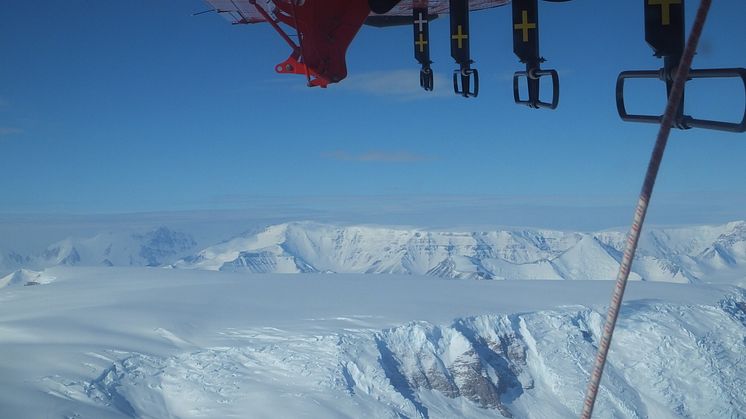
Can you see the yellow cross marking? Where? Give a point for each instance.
(460, 36)
(421, 42)
(525, 26)
(665, 9)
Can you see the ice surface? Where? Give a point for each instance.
(165, 343)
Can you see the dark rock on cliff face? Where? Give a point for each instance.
(162, 243)
(487, 368)
(63, 256)
(735, 306)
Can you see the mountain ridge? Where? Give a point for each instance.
(680, 254)
(156, 247)
(672, 255)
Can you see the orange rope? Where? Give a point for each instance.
(633, 237)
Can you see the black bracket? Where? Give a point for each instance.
(421, 20)
(664, 32)
(526, 47)
(463, 82)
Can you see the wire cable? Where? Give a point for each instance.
(633, 236)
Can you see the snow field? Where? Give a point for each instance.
(159, 343)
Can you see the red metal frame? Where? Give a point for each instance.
(325, 30)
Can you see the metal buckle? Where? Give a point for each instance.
(532, 79)
(466, 88)
(426, 78)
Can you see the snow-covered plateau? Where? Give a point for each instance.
(169, 343)
(147, 325)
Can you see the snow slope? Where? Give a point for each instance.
(672, 255)
(164, 343)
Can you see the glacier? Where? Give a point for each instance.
(141, 342)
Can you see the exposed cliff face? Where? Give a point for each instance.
(161, 245)
(485, 365)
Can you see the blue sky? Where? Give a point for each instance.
(113, 106)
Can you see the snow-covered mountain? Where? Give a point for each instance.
(207, 340)
(10, 260)
(25, 277)
(673, 255)
(153, 248)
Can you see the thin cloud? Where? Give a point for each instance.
(7, 131)
(377, 156)
(400, 84)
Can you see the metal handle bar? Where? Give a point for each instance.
(684, 121)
